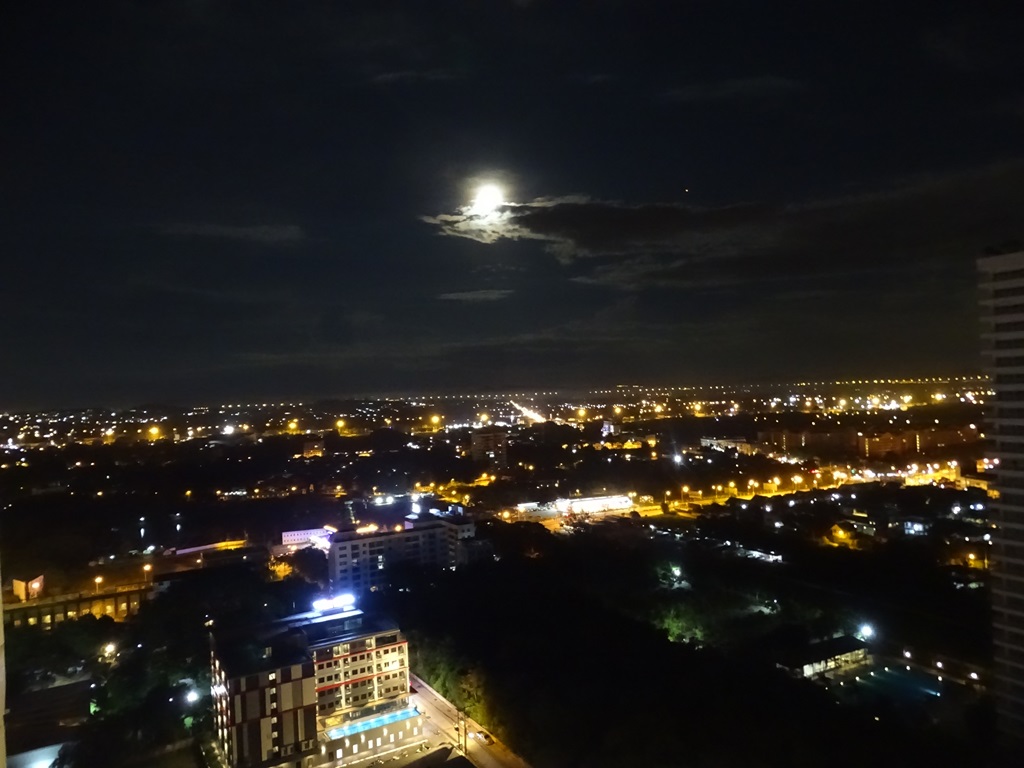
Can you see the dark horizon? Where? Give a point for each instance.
(483, 392)
(201, 202)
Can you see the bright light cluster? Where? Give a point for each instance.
(344, 602)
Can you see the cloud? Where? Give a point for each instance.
(922, 224)
(575, 227)
(262, 233)
(484, 294)
(738, 89)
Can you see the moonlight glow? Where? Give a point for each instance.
(488, 198)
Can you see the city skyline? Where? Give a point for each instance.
(208, 205)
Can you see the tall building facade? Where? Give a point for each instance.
(328, 687)
(1002, 311)
(489, 445)
(359, 562)
(3, 684)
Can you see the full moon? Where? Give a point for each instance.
(488, 198)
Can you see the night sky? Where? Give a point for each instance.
(207, 201)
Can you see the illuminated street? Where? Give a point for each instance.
(443, 720)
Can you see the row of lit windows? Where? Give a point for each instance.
(354, 748)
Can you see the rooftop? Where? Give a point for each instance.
(243, 650)
(824, 649)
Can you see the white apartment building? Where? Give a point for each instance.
(1002, 310)
(359, 562)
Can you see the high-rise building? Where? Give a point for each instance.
(3, 685)
(359, 560)
(490, 446)
(1002, 305)
(328, 687)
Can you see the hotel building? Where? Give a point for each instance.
(328, 687)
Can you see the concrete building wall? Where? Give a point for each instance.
(3, 686)
(1002, 312)
(360, 563)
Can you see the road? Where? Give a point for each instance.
(442, 721)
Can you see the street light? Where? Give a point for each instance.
(98, 580)
(147, 568)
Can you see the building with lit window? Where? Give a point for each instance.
(489, 445)
(1002, 310)
(328, 687)
(359, 560)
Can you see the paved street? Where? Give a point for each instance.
(442, 719)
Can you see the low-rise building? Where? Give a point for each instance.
(837, 654)
(738, 444)
(327, 687)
